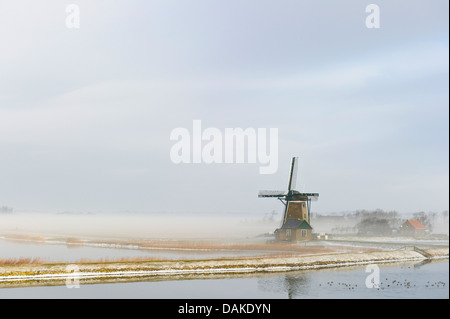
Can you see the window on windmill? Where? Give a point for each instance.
(303, 233)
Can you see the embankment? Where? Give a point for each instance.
(82, 273)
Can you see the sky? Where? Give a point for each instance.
(86, 113)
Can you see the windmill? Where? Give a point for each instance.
(297, 207)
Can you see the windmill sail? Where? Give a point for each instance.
(293, 174)
(271, 194)
(311, 196)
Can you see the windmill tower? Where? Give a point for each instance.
(295, 224)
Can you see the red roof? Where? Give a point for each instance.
(416, 224)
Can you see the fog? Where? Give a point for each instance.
(382, 223)
(167, 226)
(162, 226)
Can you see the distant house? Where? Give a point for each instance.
(413, 228)
(294, 230)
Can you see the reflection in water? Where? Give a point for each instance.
(422, 263)
(294, 284)
(289, 284)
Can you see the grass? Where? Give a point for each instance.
(118, 260)
(23, 237)
(21, 261)
(221, 246)
(39, 261)
(74, 241)
(183, 259)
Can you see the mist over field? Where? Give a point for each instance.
(162, 226)
(172, 226)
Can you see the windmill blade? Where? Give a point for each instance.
(271, 193)
(311, 196)
(293, 174)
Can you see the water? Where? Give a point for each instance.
(418, 281)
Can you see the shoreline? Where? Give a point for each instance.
(109, 272)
